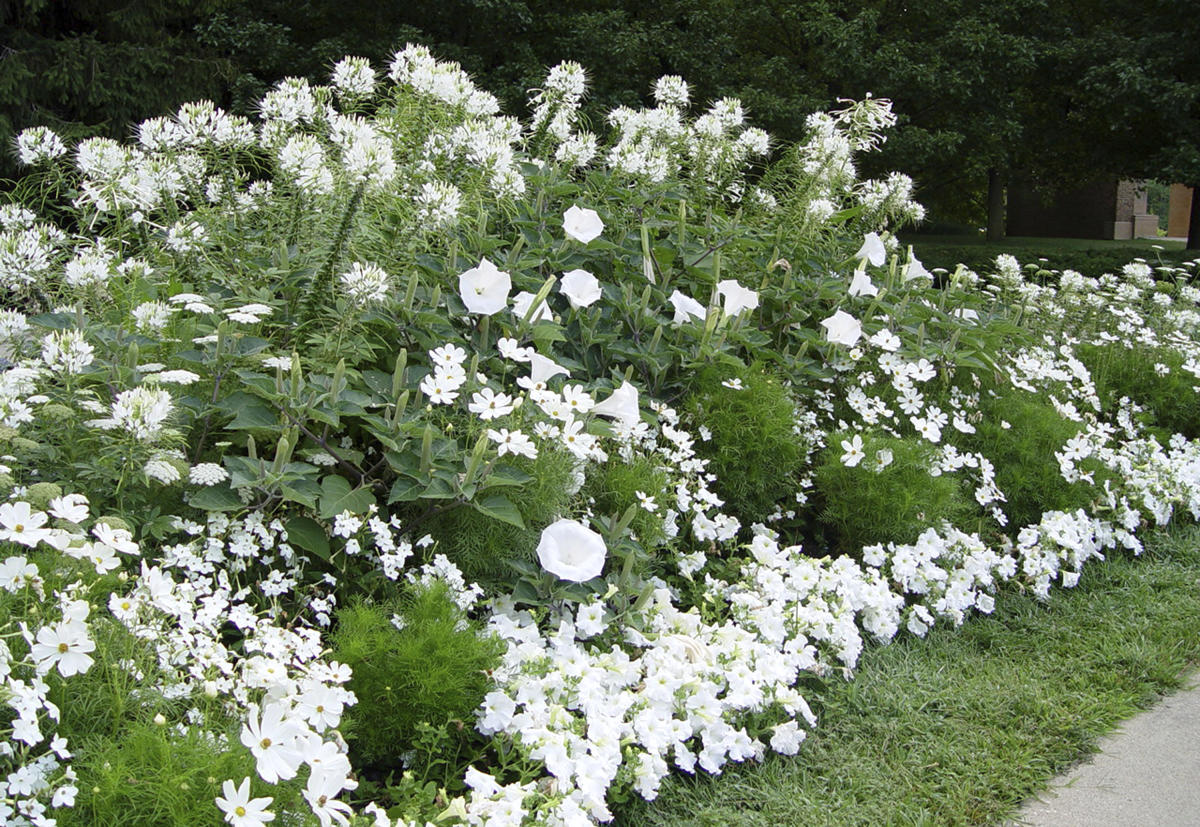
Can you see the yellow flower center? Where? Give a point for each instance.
(63, 648)
(265, 743)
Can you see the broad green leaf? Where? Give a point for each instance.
(500, 508)
(306, 533)
(217, 498)
(337, 496)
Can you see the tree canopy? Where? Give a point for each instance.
(983, 90)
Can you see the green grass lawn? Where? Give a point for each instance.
(963, 726)
(1091, 256)
(1050, 245)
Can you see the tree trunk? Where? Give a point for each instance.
(1193, 241)
(995, 206)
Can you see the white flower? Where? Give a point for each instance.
(842, 328)
(622, 405)
(273, 741)
(19, 523)
(571, 551)
(484, 289)
(582, 225)
(512, 442)
(207, 473)
(488, 404)
(915, 269)
(581, 288)
(883, 459)
(886, 340)
(65, 646)
(523, 301)
(240, 809)
(686, 308)
(872, 250)
(854, 451)
(365, 283)
(861, 285)
(736, 298)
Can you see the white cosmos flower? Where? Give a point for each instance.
(886, 340)
(735, 297)
(582, 225)
(861, 285)
(854, 451)
(872, 250)
(571, 551)
(581, 288)
(622, 405)
(65, 646)
(240, 809)
(484, 289)
(686, 308)
(842, 328)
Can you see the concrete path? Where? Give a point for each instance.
(1147, 774)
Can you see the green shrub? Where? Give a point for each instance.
(866, 504)
(754, 450)
(1023, 455)
(1171, 400)
(615, 485)
(420, 671)
(481, 545)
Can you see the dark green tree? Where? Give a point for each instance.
(89, 67)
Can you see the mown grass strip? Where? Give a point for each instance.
(961, 727)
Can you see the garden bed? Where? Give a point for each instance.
(392, 460)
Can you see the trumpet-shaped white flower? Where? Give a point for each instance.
(571, 551)
(622, 405)
(861, 285)
(583, 225)
(735, 297)
(686, 308)
(872, 250)
(484, 289)
(581, 288)
(523, 301)
(843, 329)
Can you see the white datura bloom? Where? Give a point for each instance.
(581, 288)
(872, 250)
(572, 551)
(843, 329)
(622, 405)
(915, 269)
(484, 289)
(686, 308)
(861, 285)
(581, 224)
(736, 298)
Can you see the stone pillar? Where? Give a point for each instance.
(1180, 212)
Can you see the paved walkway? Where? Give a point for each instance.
(1147, 774)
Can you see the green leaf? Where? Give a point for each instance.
(506, 475)
(307, 533)
(217, 498)
(337, 496)
(249, 413)
(301, 491)
(500, 508)
(405, 490)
